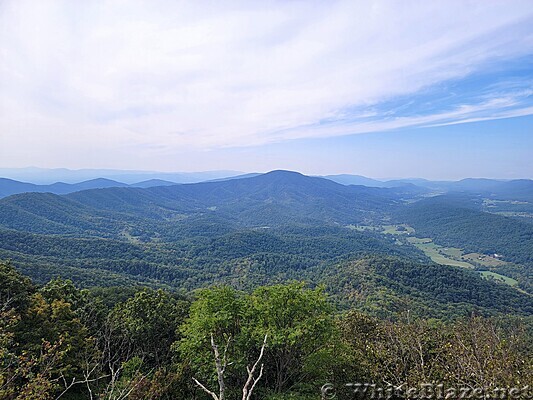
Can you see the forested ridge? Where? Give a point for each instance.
(192, 260)
(457, 225)
(347, 261)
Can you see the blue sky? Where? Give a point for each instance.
(440, 89)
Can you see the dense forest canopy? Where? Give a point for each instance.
(272, 226)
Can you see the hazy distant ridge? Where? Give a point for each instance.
(520, 189)
(46, 176)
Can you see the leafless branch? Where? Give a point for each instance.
(212, 394)
(247, 389)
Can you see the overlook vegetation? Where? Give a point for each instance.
(57, 341)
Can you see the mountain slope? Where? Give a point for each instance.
(257, 230)
(346, 179)
(10, 187)
(293, 195)
(388, 285)
(450, 223)
(152, 183)
(274, 199)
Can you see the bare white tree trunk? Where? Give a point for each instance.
(209, 392)
(252, 381)
(222, 362)
(221, 366)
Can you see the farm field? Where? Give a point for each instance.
(439, 254)
(364, 228)
(498, 277)
(398, 229)
(484, 259)
(386, 229)
(452, 256)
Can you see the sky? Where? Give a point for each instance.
(439, 89)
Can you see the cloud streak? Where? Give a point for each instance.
(78, 77)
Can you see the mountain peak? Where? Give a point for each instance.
(283, 177)
(283, 172)
(100, 180)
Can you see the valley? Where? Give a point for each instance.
(443, 255)
(257, 230)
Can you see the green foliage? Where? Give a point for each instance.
(16, 288)
(296, 321)
(298, 324)
(387, 286)
(151, 345)
(149, 321)
(403, 319)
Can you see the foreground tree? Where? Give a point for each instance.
(299, 323)
(233, 326)
(216, 319)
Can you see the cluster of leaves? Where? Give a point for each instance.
(471, 352)
(61, 342)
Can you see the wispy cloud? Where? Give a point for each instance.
(77, 77)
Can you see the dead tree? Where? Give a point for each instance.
(252, 381)
(222, 362)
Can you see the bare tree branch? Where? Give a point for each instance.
(212, 394)
(247, 389)
(221, 366)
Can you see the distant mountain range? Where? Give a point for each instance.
(468, 184)
(46, 176)
(520, 189)
(10, 187)
(270, 199)
(276, 198)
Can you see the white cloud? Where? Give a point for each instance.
(78, 77)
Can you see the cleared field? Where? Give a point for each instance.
(452, 252)
(363, 228)
(454, 257)
(401, 229)
(484, 259)
(398, 229)
(498, 277)
(439, 254)
(415, 240)
(129, 237)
